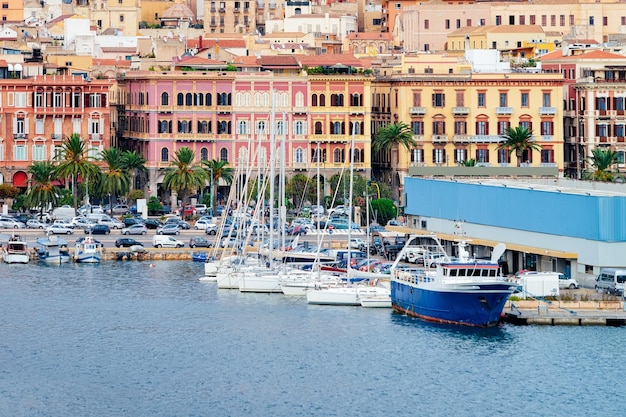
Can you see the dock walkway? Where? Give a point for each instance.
(604, 313)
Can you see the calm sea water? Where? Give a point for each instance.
(127, 339)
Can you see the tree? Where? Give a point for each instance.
(218, 169)
(298, 189)
(359, 186)
(114, 180)
(384, 210)
(135, 163)
(394, 135)
(75, 163)
(43, 192)
(8, 191)
(602, 159)
(518, 139)
(184, 175)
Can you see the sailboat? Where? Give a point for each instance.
(351, 294)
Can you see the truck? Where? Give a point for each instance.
(539, 284)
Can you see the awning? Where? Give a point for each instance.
(20, 179)
(484, 242)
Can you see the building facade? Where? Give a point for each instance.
(38, 113)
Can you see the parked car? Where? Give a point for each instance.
(98, 229)
(201, 208)
(214, 228)
(35, 224)
(356, 243)
(135, 229)
(202, 224)
(111, 223)
(200, 242)
(129, 221)
(9, 223)
(152, 223)
(567, 282)
(80, 222)
(178, 222)
(121, 209)
(57, 229)
(63, 223)
(168, 229)
(298, 229)
(126, 242)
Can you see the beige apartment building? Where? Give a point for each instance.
(456, 116)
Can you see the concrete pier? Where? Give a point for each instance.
(585, 313)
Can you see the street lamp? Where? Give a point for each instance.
(211, 190)
(377, 187)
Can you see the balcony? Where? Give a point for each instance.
(300, 110)
(504, 110)
(57, 136)
(19, 135)
(418, 138)
(236, 10)
(547, 138)
(486, 139)
(461, 138)
(547, 111)
(222, 10)
(459, 111)
(417, 110)
(440, 138)
(95, 136)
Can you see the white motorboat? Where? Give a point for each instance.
(379, 301)
(15, 251)
(53, 250)
(349, 295)
(88, 250)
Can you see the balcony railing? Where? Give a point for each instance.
(460, 110)
(547, 111)
(461, 138)
(547, 138)
(417, 110)
(418, 138)
(95, 136)
(504, 110)
(486, 139)
(57, 136)
(440, 138)
(19, 135)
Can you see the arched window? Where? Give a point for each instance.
(335, 128)
(165, 99)
(258, 99)
(299, 99)
(318, 128)
(322, 100)
(208, 99)
(199, 99)
(266, 99)
(260, 127)
(224, 154)
(165, 155)
(279, 127)
(242, 127)
(337, 155)
(314, 100)
(180, 99)
(284, 99)
(238, 99)
(188, 99)
(202, 126)
(299, 156)
(222, 127)
(298, 127)
(246, 99)
(204, 154)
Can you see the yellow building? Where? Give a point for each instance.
(457, 116)
(119, 15)
(502, 38)
(12, 11)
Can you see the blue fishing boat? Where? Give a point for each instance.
(461, 290)
(53, 250)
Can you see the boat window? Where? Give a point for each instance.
(453, 272)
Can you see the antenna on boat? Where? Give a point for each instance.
(498, 251)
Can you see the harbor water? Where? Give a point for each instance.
(140, 339)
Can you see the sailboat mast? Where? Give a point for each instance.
(272, 171)
(283, 207)
(350, 192)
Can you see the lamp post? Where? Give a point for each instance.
(211, 190)
(377, 188)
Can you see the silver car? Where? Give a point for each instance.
(135, 229)
(8, 223)
(57, 229)
(35, 224)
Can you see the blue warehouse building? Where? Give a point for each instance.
(561, 225)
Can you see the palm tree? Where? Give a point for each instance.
(184, 175)
(135, 163)
(43, 192)
(114, 180)
(75, 163)
(394, 135)
(518, 139)
(218, 169)
(602, 159)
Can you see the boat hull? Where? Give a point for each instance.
(55, 259)
(16, 258)
(344, 296)
(471, 304)
(89, 259)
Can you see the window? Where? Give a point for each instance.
(417, 127)
(524, 99)
(242, 127)
(447, 23)
(552, 20)
(439, 127)
(562, 20)
(417, 99)
(602, 130)
(39, 126)
(298, 127)
(299, 99)
(547, 156)
(532, 19)
(439, 156)
(498, 20)
(619, 131)
(224, 154)
(180, 99)
(571, 20)
(439, 100)
(605, 21)
(522, 20)
(165, 155)
(544, 20)
(458, 23)
(503, 126)
(526, 124)
(204, 154)
(39, 152)
(503, 100)
(591, 21)
(121, 18)
(460, 99)
(318, 128)
(547, 128)
(546, 99)
(417, 155)
(337, 155)
(482, 127)
(482, 156)
(504, 157)
(20, 152)
(426, 24)
(460, 127)
(165, 99)
(5, 5)
(460, 155)
(299, 156)
(481, 100)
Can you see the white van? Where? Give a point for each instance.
(63, 213)
(611, 280)
(161, 241)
